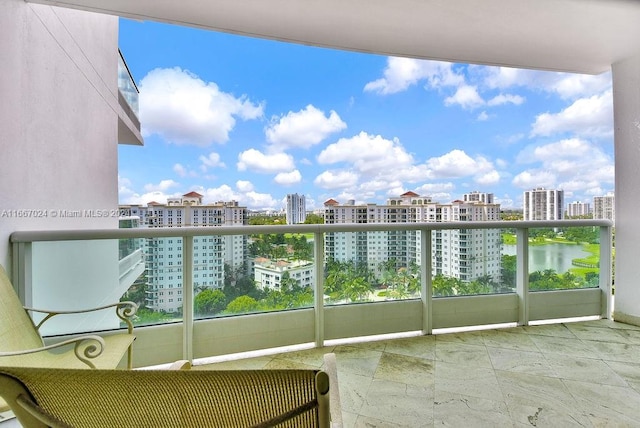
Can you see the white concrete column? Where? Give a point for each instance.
(626, 107)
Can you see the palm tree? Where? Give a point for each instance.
(356, 289)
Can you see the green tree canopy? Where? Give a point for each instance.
(209, 302)
(314, 219)
(243, 305)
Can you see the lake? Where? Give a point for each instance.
(550, 256)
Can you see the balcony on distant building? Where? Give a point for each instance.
(128, 94)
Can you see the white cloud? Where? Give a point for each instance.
(303, 129)
(259, 201)
(336, 179)
(569, 148)
(567, 85)
(161, 187)
(501, 163)
(510, 139)
(574, 165)
(442, 197)
(433, 188)
(249, 198)
(483, 116)
(244, 186)
(288, 178)
(457, 164)
(180, 170)
(221, 193)
(588, 117)
(145, 198)
(256, 161)
(379, 183)
(124, 187)
(401, 73)
(579, 85)
(578, 185)
(488, 178)
(367, 153)
(534, 178)
(183, 109)
(506, 99)
(183, 171)
(506, 202)
(211, 161)
(466, 97)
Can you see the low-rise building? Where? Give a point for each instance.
(269, 274)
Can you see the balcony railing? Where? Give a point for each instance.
(82, 267)
(128, 91)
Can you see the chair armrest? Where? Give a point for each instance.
(124, 311)
(180, 365)
(334, 391)
(85, 347)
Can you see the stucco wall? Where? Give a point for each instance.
(626, 105)
(58, 126)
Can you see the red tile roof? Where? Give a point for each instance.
(409, 193)
(332, 202)
(193, 195)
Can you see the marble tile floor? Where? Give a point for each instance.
(584, 374)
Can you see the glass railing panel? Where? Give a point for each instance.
(127, 86)
(209, 270)
(371, 266)
(158, 290)
(469, 262)
(564, 258)
(242, 274)
(239, 274)
(78, 275)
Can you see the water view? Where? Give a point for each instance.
(550, 256)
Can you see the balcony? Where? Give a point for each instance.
(128, 121)
(378, 374)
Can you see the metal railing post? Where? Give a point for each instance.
(187, 297)
(426, 282)
(21, 269)
(522, 275)
(318, 306)
(606, 273)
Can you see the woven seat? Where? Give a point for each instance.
(165, 398)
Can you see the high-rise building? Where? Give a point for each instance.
(296, 208)
(604, 207)
(543, 204)
(475, 196)
(578, 209)
(210, 253)
(462, 253)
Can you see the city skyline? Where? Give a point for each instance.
(251, 120)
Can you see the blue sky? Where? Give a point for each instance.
(251, 120)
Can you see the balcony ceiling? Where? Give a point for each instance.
(584, 36)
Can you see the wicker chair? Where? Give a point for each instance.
(22, 345)
(167, 398)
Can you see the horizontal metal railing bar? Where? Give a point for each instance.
(185, 231)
